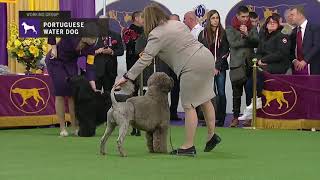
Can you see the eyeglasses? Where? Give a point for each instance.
(272, 22)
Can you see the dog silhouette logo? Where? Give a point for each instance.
(30, 94)
(278, 98)
(27, 27)
(275, 95)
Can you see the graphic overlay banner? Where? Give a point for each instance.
(290, 97)
(33, 24)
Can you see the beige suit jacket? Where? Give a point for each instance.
(172, 42)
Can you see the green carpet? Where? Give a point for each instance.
(39, 154)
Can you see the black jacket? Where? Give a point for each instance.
(274, 50)
(222, 53)
(108, 63)
(131, 56)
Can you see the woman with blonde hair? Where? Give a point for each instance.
(172, 42)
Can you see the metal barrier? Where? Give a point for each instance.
(254, 90)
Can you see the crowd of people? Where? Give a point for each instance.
(196, 57)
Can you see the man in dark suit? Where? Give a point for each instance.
(305, 49)
(108, 47)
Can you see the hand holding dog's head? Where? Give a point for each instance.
(127, 88)
(162, 81)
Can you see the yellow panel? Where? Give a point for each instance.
(8, 1)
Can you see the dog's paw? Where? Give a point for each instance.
(123, 154)
(102, 152)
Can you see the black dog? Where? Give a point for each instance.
(90, 107)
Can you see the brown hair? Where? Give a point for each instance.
(300, 9)
(153, 16)
(274, 17)
(209, 33)
(135, 15)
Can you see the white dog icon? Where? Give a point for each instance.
(27, 27)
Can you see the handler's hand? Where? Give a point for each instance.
(216, 72)
(54, 52)
(119, 82)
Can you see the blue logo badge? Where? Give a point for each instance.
(29, 28)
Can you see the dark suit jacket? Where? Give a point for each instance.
(108, 63)
(311, 46)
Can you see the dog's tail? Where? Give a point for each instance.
(113, 98)
(41, 88)
(287, 92)
(126, 88)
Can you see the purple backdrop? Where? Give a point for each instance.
(119, 11)
(291, 97)
(3, 34)
(16, 89)
(79, 9)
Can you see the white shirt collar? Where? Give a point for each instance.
(196, 27)
(304, 24)
(195, 31)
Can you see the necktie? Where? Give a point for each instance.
(299, 44)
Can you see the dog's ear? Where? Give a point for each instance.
(85, 94)
(82, 89)
(164, 82)
(168, 83)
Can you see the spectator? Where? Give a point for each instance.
(108, 47)
(242, 38)
(214, 38)
(255, 21)
(130, 37)
(273, 56)
(174, 17)
(305, 49)
(190, 19)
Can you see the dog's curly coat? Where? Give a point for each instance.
(149, 113)
(90, 106)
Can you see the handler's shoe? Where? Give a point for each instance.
(133, 132)
(184, 152)
(138, 133)
(64, 133)
(212, 143)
